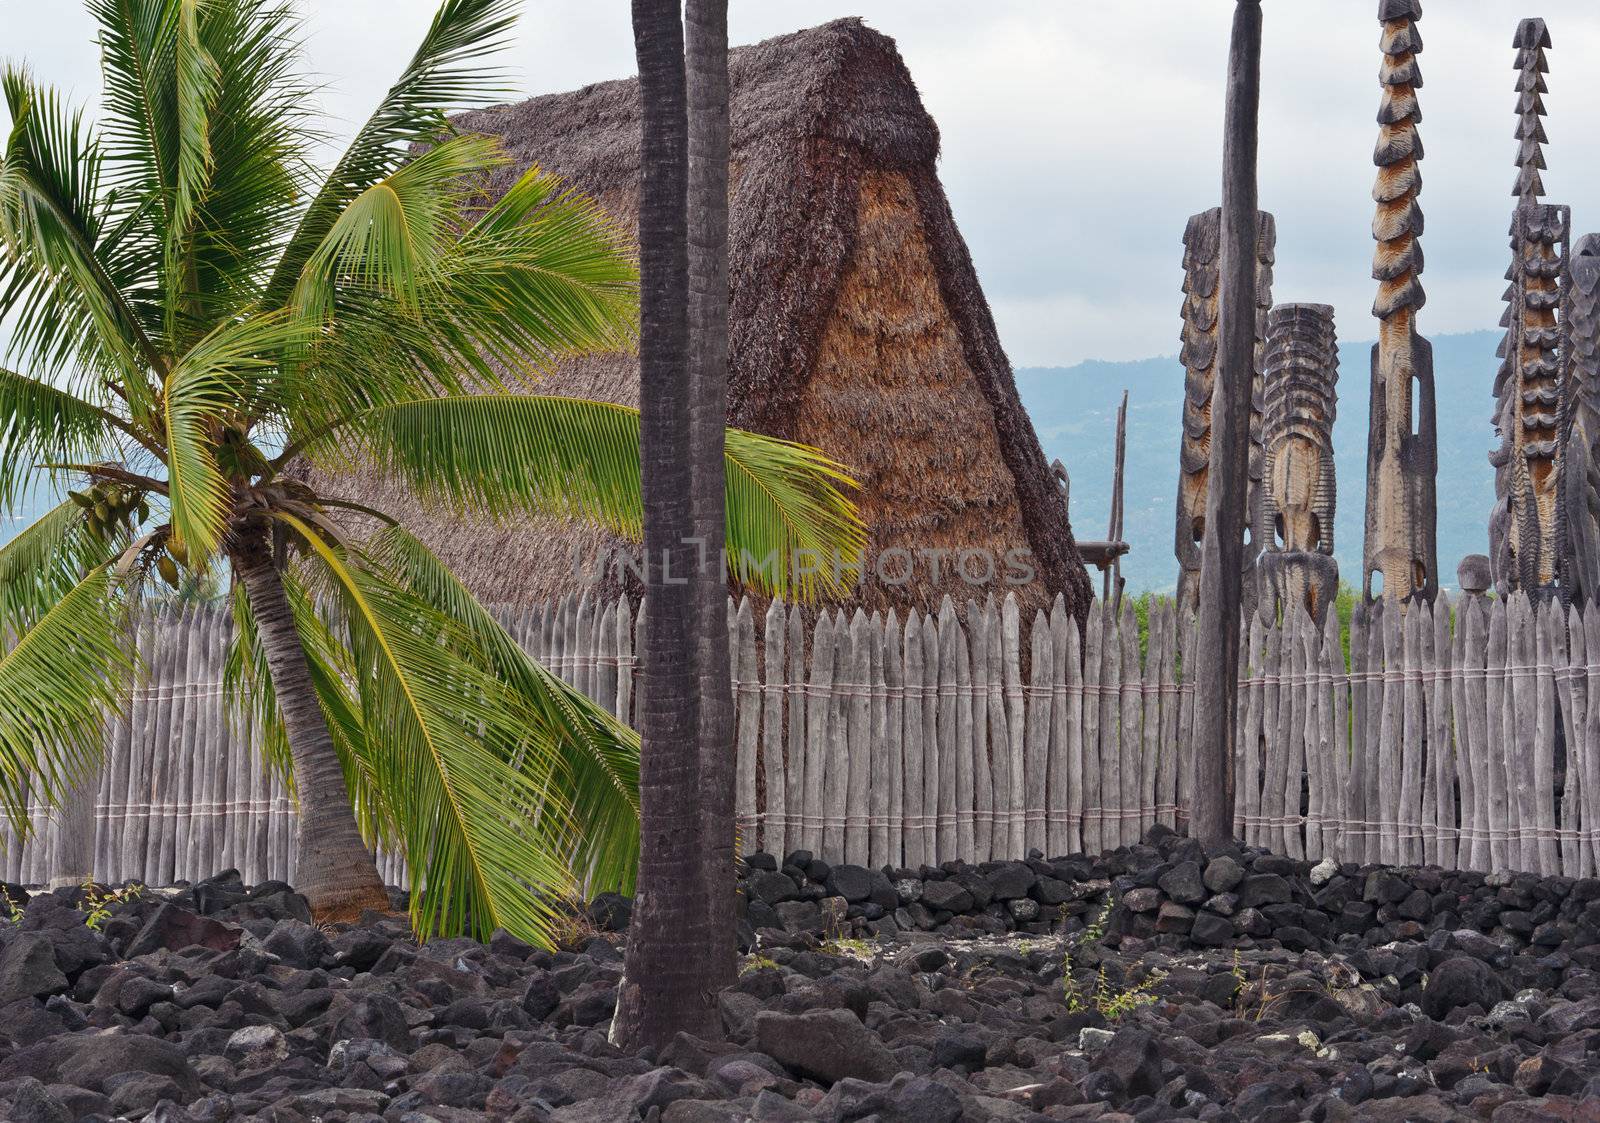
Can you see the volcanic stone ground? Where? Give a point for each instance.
(1155, 982)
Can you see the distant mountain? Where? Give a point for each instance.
(1074, 410)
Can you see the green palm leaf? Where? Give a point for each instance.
(57, 682)
(42, 424)
(509, 454)
(66, 303)
(444, 73)
(43, 562)
(390, 238)
(211, 385)
(475, 819)
(597, 767)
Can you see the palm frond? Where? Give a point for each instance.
(57, 682)
(597, 766)
(60, 293)
(542, 274)
(43, 561)
(474, 819)
(43, 424)
(198, 85)
(792, 531)
(444, 74)
(211, 384)
(389, 239)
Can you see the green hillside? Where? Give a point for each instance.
(1075, 408)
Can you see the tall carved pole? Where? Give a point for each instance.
(1522, 528)
(1578, 522)
(1227, 493)
(1298, 492)
(1202, 240)
(1402, 446)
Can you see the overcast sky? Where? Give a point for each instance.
(1076, 145)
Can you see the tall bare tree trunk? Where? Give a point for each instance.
(1220, 569)
(667, 973)
(706, 34)
(334, 869)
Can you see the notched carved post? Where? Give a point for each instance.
(1402, 446)
(1522, 528)
(1201, 257)
(1578, 510)
(1298, 492)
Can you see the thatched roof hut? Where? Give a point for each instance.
(858, 325)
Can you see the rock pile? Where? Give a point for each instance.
(214, 1002)
(1168, 893)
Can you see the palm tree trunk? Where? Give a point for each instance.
(334, 869)
(1216, 693)
(706, 34)
(666, 973)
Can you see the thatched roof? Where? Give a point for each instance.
(858, 324)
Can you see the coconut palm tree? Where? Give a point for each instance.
(664, 976)
(194, 310)
(706, 71)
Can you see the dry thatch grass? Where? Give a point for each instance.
(857, 321)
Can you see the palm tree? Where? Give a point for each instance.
(706, 69)
(665, 972)
(197, 310)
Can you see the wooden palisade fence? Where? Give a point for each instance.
(1459, 735)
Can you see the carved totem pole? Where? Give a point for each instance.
(1201, 299)
(1298, 493)
(1522, 529)
(1402, 446)
(1578, 509)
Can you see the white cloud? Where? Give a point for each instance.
(1078, 137)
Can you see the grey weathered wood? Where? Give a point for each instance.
(1275, 727)
(955, 759)
(1130, 762)
(1497, 776)
(1093, 643)
(999, 736)
(1442, 750)
(894, 685)
(1569, 661)
(1546, 622)
(1415, 625)
(932, 762)
(878, 750)
(1461, 731)
(1150, 718)
(916, 827)
(836, 788)
(1110, 801)
(1167, 769)
(623, 704)
(798, 714)
(1589, 836)
(1016, 729)
(858, 774)
(967, 771)
(817, 722)
(607, 659)
(983, 794)
(1228, 483)
(1036, 757)
(1059, 826)
(747, 702)
(1526, 735)
(775, 665)
(1253, 696)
